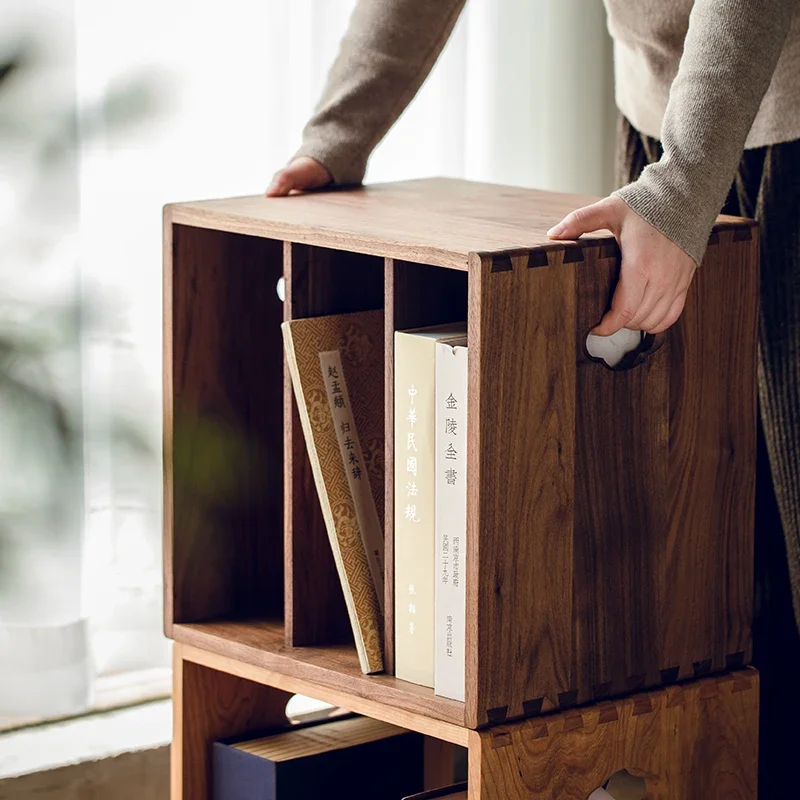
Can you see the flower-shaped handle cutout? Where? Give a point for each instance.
(624, 349)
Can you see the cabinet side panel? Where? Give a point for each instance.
(621, 457)
(318, 282)
(167, 389)
(713, 407)
(223, 510)
(416, 295)
(697, 740)
(521, 467)
(208, 706)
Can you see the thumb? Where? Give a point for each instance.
(282, 184)
(303, 173)
(598, 216)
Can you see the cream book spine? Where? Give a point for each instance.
(414, 505)
(451, 518)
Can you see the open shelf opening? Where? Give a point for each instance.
(417, 295)
(251, 570)
(223, 427)
(319, 281)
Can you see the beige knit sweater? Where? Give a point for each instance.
(708, 78)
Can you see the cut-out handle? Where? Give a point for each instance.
(624, 349)
(621, 786)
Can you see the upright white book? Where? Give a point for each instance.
(451, 518)
(414, 498)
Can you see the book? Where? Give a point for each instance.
(337, 369)
(414, 498)
(451, 518)
(457, 791)
(356, 757)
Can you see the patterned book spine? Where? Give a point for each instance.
(336, 365)
(451, 518)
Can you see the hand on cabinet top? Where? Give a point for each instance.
(301, 174)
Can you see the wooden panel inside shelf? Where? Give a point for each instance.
(223, 481)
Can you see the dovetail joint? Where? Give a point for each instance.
(497, 715)
(532, 708)
(568, 699)
(670, 675)
(702, 668)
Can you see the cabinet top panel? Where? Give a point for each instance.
(437, 221)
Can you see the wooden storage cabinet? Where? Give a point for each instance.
(610, 512)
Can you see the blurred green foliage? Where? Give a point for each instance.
(42, 414)
(42, 407)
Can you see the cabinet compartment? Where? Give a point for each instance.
(223, 426)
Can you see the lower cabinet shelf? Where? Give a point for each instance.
(697, 739)
(333, 670)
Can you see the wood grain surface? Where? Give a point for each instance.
(318, 282)
(713, 413)
(436, 221)
(208, 705)
(223, 477)
(611, 519)
(327, 674)
(416, 295)
(696, 740)
(519, 605)
(440, 763)
(621, 463)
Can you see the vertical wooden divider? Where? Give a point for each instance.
(415, 295)
(388, 524)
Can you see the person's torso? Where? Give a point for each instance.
(648, 43)
(656, 26)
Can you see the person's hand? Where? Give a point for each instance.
(655, 274)
(299, 175)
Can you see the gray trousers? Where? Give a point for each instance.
(767, 188)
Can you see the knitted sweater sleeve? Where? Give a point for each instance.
(386, 54)
(730, 52)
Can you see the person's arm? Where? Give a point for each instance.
(386, 54)
(663, 219)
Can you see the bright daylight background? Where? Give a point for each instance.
(116, 109)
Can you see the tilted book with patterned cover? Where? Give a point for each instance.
(337, 368)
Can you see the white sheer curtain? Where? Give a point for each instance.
(44, 640)
(521, 95)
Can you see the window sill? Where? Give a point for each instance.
(111, 692)
(115, 753)
(121, 753)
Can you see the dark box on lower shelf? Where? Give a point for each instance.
(354, 757)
